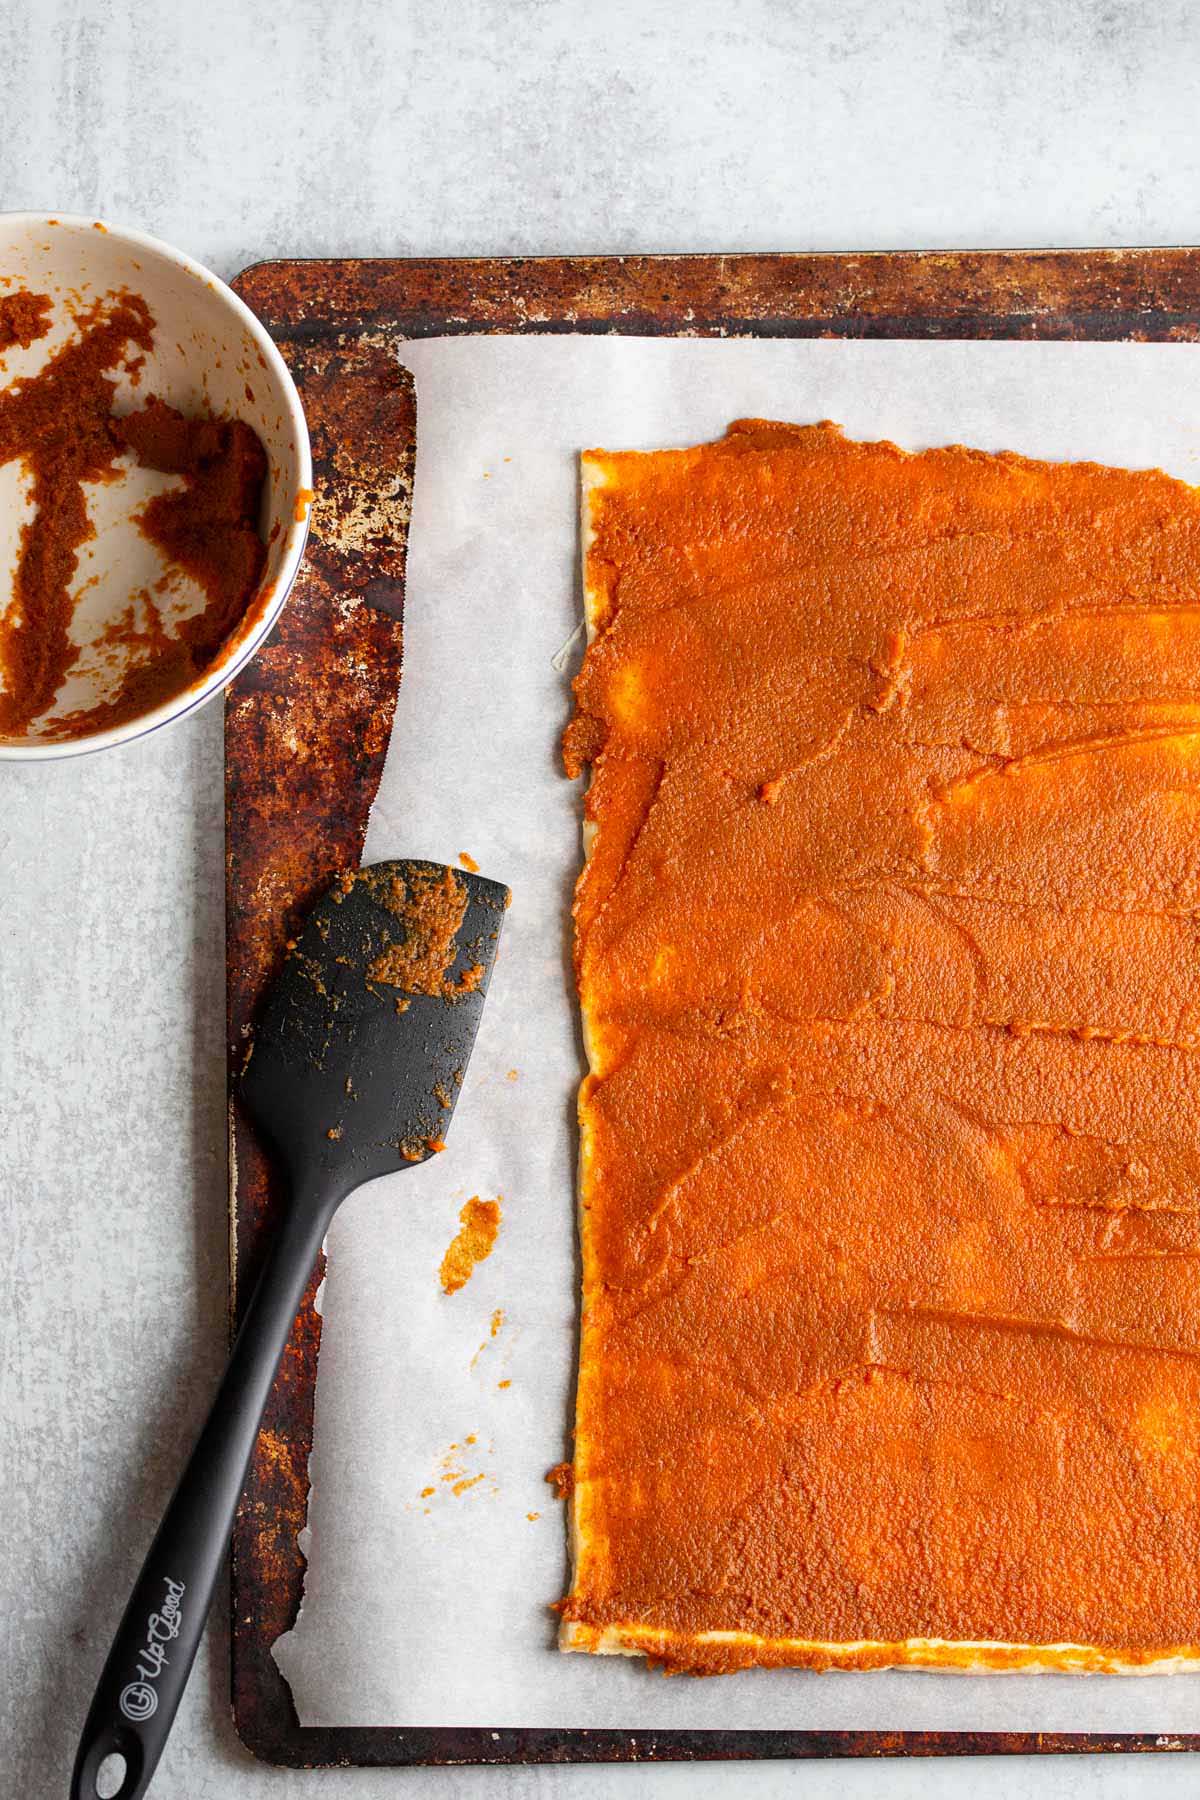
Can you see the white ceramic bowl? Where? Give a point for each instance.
(210, 355)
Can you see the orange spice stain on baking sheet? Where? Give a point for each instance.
(59, 424)
(887, 949)
(479, 1222)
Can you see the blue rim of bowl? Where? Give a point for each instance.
(142, 726)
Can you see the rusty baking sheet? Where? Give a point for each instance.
(307, 726)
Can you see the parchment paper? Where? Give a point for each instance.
(429, 1606)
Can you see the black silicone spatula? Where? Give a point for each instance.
(354, 1071)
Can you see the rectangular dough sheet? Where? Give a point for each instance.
(888, 950)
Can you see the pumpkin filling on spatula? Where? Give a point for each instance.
(888, 952)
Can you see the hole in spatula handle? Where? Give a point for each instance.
(111, 1769)
(110, 1776)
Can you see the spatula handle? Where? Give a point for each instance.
(148, 1666)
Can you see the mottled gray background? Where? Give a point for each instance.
(240, 130)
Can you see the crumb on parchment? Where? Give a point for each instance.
(479, 1222)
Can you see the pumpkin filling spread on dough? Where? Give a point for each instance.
(888, 950)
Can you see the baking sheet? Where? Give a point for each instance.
(433, 1607)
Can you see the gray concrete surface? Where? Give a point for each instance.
(241, 131)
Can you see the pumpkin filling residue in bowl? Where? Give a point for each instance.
(59, 422)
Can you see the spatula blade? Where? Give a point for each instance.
(357, 1060)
